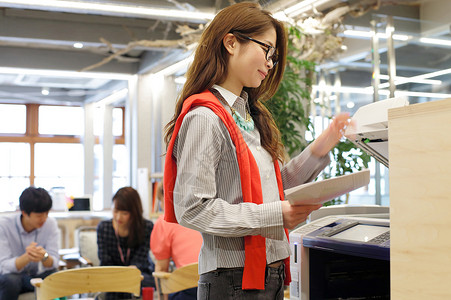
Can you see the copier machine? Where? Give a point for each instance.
(347, 256)
(341, 257)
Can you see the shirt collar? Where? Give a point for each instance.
(229, 96)
(20, 226)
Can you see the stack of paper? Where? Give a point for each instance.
(324, 190)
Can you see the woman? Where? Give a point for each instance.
(171, 241)
(222, 172)
(125, 240)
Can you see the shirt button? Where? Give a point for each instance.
(259, 148)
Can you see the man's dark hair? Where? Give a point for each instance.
(35, 200)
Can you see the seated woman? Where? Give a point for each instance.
(125, 240)
(172, 241)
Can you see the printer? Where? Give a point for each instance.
(371, 127)
(341, 257)
(347, 256)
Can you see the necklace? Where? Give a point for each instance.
(245, 124)
(126, 260)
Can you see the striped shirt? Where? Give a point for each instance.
(207, 192)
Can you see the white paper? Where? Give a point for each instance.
(322, 191)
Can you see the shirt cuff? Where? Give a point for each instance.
(272, 220)
(9, 266)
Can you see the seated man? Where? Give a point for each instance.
(28, 243)
(173, 241)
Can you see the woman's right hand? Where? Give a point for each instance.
(295, 214)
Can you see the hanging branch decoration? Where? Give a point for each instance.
(117, 54)
(188, 36)
(318, 42)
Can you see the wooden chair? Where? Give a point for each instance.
(182, 278)
(88, 280)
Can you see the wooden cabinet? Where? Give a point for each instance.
(420, 200)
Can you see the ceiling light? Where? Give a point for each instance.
(45, 91)
(432, 74)
(401, 37)
(350, 104)
(88, 7)
(441, 42)
(78, 45)
(298, 6)
(369, 34)
(421, 94)
(60, 73)
(358, 33)
(113, 98)
(370, 90)
(281, 16)
(303, 7)
(346, 89)
(402, 80)
(419, 78)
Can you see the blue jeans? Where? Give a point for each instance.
(189, 294)
(14, 284)
(225, 284)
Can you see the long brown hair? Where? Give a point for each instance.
(210, 67)
(127, 199)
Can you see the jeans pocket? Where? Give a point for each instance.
(203, 291)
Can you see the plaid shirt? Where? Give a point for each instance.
(108, 248)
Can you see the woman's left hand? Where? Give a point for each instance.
(331, 136)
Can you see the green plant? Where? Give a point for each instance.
(290, 106)
(346, 158)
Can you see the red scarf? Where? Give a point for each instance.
(254, 246)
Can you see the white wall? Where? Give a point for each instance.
(150, 106)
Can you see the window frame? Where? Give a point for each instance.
(32, 135)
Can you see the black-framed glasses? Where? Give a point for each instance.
(270, 50)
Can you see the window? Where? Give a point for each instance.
(41, 145)
(13, 118)
(61, 120)
(118, 121)
(120, 167)
(60, 165)
(14, 173)
(365, 195)
(120, 172)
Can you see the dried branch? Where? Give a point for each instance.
(189, 36)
